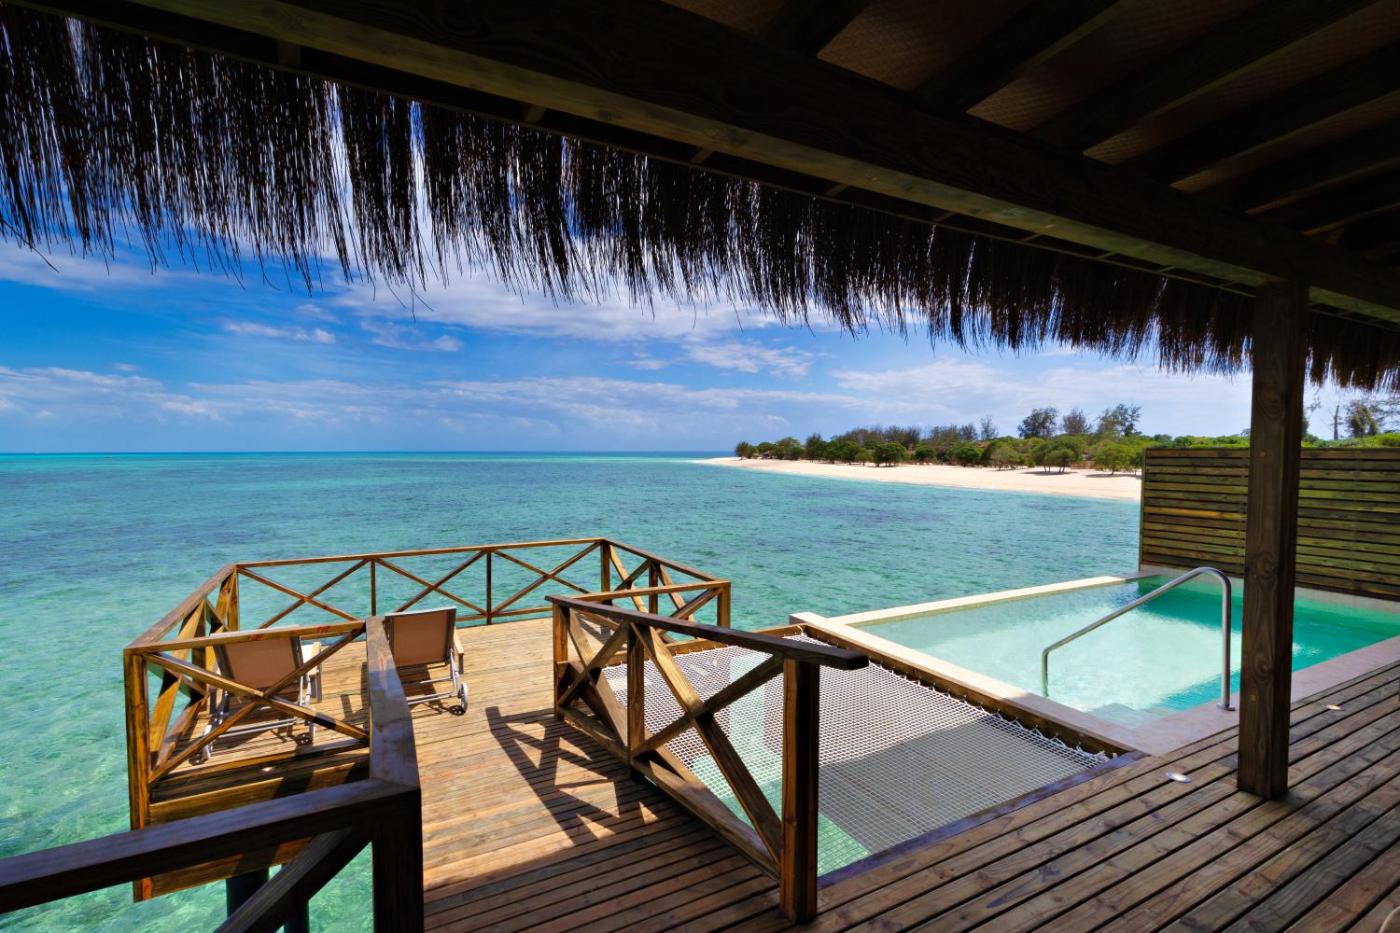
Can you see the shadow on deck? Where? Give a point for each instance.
(529, 824)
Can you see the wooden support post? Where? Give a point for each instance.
(636, 691)
(373, 588)
(797, 869)
(398, 865)
(1271, 531)
(490, 597)
(722, 612)
(561, 654)
(605, 578)
(239, 888)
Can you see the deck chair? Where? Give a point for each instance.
(260, 664)
(426, 638)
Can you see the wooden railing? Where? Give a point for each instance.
(180, 647)
(383, 811)
(365, 577)
(784, 844)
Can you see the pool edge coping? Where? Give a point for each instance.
(1159, 736)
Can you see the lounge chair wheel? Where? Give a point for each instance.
(303, 740)
(197, 758)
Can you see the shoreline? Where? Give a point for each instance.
(1083, 484)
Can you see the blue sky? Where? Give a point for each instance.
(114, 357)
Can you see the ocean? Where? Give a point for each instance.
(95, 548)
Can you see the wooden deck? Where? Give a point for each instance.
(529, 824)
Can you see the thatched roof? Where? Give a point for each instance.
(107, 136)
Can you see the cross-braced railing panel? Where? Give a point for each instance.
(590, 638)
(485, 583)
(175, 681)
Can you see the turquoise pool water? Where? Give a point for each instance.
(1157, 659)
(94, 549)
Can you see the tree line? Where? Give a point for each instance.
(1112, 442)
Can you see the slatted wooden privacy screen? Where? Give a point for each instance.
(1193, 513)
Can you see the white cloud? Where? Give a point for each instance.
(300, 334)
(126, 367)
(81, 394)
(481, 303)
(954, 389)
(313, 311)
(748, 357)
(67, 272)
(647, 362)
(398, 337)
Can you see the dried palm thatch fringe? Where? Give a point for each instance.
(106, 137)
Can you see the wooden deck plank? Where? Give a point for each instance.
(1197, 809)
(528, 824)
(1356, 896)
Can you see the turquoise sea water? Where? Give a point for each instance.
(94, 549)
(1162, 657)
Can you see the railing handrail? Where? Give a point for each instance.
(225, 581)
(1226, 608)
(255, 634)
(470, 548)
(187, 605)
(789, 650)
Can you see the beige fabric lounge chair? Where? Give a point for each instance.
(260, 664)
(426, 638)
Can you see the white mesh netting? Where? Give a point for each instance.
(898, 759)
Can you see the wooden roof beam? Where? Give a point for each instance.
(1222, 53)
(651, 71)
(1339, 206)
(1309, 172)
(1301, 106)
(808, 26)
(1034, 34)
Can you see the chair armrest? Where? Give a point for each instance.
(460, 652)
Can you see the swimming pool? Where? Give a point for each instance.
(1158, 659)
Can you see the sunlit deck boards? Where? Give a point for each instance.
(528, 825)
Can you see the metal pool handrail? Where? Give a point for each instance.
(1225, 611)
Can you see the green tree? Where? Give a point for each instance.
(1004, 457)
(863, 455)
(1075, 422)
(843, 451)
(967, 454)
(1054, 455)
(765, 449)
(789, 448)
(1361, 419)
(744, 449)
(889, 453)
(816, 448)
(1111, 458)
(1039, 423)
(925, 454)
(1120, 421)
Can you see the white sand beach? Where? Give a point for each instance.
(1085, 483)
